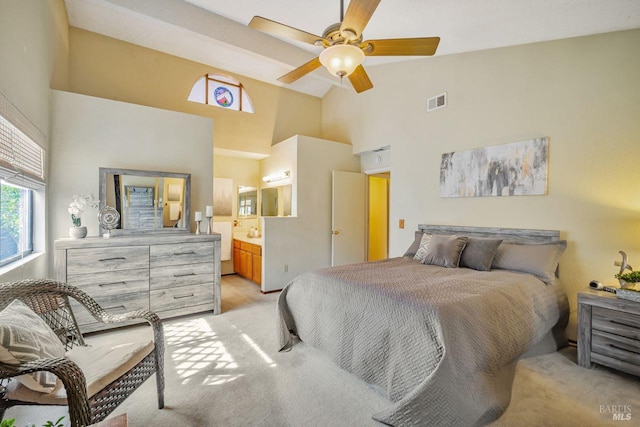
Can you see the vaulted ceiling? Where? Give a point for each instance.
(215, 32)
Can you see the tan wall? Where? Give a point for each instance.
(34, 49)
(583, 93)
(88, 133)
(108, 68)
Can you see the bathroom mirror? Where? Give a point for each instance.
(247, 201)
(147, 201)
(276, 201)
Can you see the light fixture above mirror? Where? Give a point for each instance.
(279, 176)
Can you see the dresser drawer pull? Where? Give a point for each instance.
(184, 274)
(115, 307)
(112, 283)
(617, 322)
(182, 296)
(112, 259)
(623, 349)
(184, 253)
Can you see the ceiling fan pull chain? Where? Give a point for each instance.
(341, 10)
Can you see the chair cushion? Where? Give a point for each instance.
(101, 364)
(25, 337)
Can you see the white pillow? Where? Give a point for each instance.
(24, 336)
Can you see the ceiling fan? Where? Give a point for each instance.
(344, 49)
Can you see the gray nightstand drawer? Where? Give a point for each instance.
(616, 322)
(617, 347)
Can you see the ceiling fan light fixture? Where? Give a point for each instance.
(341, 59)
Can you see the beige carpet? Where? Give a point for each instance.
(224, 371)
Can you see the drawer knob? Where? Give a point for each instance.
(184, 253)
(183, 274)
(182, 296)
(112, 259)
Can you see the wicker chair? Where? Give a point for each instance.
(50, 300)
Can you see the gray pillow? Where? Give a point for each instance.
(440, 250)
(24, 337)
(411, 252)
(541, 260)
(479, 253)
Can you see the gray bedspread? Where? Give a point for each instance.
(442, 343)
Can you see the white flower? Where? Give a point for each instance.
(79, 204)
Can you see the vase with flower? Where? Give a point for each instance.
(79, 204)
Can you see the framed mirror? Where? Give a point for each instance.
(147, 201)
(276, 201)
(247, 201)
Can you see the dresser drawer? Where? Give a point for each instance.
(181, 275)
(94, 260)
(112, 282)
(616, 322)
(184, 296)
(617, 347)
(181, 253)
(114, 304)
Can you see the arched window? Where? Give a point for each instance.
(221, 91)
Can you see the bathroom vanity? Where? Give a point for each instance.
(247, 257)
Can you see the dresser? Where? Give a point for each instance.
(608, 331)
(169, 274)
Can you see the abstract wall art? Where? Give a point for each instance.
(514, 169)
(222, 197)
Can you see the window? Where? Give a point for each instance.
(16, 219)
(21, 175)
(221, 91)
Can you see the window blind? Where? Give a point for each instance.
(21, 153)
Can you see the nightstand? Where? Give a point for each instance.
(608, 331)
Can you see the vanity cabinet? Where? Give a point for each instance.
(169, 274)
(247, 260)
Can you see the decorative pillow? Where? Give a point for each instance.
(440, 250)
(541, 260)
(479, 253)
(411, 252)
(24, 336)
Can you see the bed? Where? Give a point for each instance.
(441, 343)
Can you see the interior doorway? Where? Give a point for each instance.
(378, 186)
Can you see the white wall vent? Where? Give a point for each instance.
(436, 102)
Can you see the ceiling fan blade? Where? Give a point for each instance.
(300, 71)
(424, 46)
(357, 16)
(360, 80)
(277, 29)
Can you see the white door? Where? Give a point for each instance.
(348, 218)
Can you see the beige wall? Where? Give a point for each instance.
(302, 242)
(583, 93)
(108, 68)
(33, 48)
(88, 133)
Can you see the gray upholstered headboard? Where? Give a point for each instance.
(515, 235)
